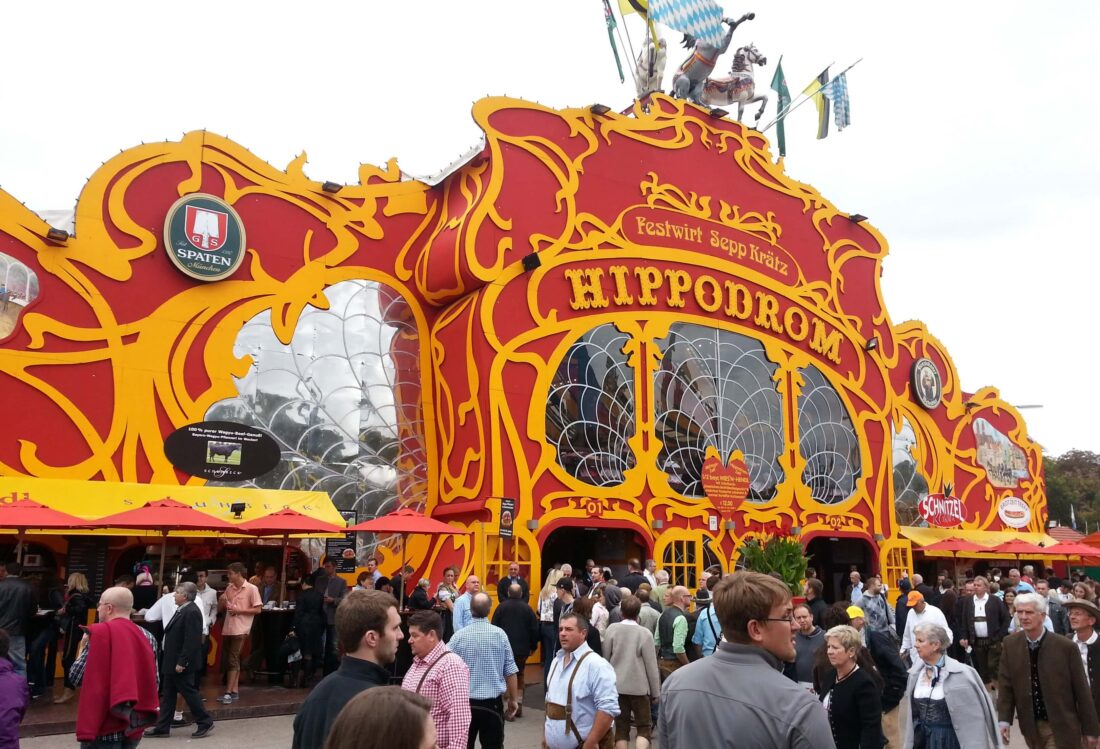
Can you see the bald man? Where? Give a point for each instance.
(672, 631)
(95, 720)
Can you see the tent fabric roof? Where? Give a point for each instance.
(926, 536)
(95, 499)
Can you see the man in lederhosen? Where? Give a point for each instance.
(984, 625)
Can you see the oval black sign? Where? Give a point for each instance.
(222, 450)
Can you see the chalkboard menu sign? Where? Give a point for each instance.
(341, 551)
(88, 556)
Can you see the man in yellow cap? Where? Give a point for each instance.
(920, 611)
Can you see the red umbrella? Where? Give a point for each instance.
(1071, 548)
(1020, 548)
(404, 522)
(955, 546)
(163, 516)
(26, 513)
(283, 523)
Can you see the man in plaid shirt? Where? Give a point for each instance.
(487, 652)
(440, 675)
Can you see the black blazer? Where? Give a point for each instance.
(996, 619)
(855, 711)
(183, 640)
(505, 582)
(521, 625)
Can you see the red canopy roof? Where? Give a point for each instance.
(1073, 549)
(286, 522)
(163, 515)
(406, 521)
(1020, 547)
(26, 513)
(955, 545)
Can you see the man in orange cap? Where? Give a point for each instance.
(920, 611)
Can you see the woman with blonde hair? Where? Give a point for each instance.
(1084, 591)
(384, 718)
(851, 695)
(548, 631)
(71, 618)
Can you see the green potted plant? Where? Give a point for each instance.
(782, 555)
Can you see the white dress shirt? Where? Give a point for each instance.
(930, 614)
(165, 608)
(981, 629)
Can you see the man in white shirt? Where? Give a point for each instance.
(1083, 616)
(855, 589)
(920, 611)
(208, 603)
(650, 572)
(983, 624)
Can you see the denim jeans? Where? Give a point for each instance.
(18, 654)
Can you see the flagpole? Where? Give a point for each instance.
(796, 101)
(809, 96)
(629, 42)
(629, 45)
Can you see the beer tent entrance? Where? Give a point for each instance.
(608, 547)
(834, 558)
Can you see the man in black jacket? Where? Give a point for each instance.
(982, 627)
(901, 609)
(513, 578)
(369, 628)
(181, 658)
(814, 601)
(633, 577)
(518, 620)
(18, 605)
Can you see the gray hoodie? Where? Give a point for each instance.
(805, 646)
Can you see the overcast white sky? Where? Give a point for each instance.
(972, 143)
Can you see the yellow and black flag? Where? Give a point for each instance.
(814, 92)
(641, 7)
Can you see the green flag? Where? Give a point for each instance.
(609, 16)
(779, 85)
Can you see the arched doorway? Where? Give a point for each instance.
(834, 558)
(608, 547)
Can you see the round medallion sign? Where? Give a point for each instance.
(926, 382)
(1014, 512)
(204, 237)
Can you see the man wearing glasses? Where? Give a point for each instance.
(738, 697)
(117, 665)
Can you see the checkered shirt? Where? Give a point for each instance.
(487, 652)
(447, 685)
(700, 18)
(76, 676)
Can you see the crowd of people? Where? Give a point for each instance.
(623, 659)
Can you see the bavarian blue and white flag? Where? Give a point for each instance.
(837, 91)
(700, 18)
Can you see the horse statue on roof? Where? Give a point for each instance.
(690, 78)
(739, 87)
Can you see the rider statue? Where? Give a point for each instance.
(692, 75)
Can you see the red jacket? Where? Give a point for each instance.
(120, 682)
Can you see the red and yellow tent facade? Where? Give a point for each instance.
(618, 336)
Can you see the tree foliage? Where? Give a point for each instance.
(1073, 480)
